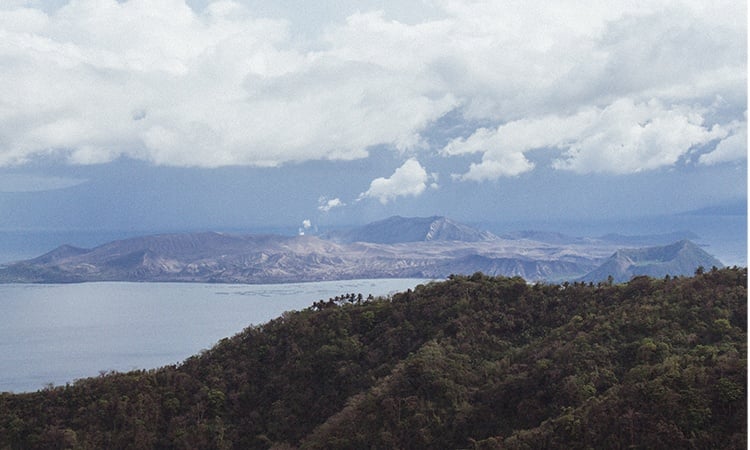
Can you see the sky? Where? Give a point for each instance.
(201, 114)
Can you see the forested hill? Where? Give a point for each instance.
(473, 362)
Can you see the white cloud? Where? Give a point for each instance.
(36, 183)
(627, 137)
(624, 137)
(158, 81)
(326, 204)
(411, 179)
(733, 148)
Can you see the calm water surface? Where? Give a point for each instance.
(59, 333)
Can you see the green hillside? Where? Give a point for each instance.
(470, 363)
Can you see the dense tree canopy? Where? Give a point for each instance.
(472, 362)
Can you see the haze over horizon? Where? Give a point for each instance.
(199, 114)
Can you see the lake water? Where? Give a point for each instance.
(59, 333)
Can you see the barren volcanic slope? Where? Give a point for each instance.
(398, 247)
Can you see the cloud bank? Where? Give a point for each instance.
(624, 137)
(616, 87)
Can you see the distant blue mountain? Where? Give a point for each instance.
(680, 258)
(738, 208)
(397, 229)
(548, 237)
(397, 247)
(649, 239)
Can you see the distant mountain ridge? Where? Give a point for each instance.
(649, 239)
(735, 208)
(549, 237)
(398, 247)
(397, 229)
(679, 258)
